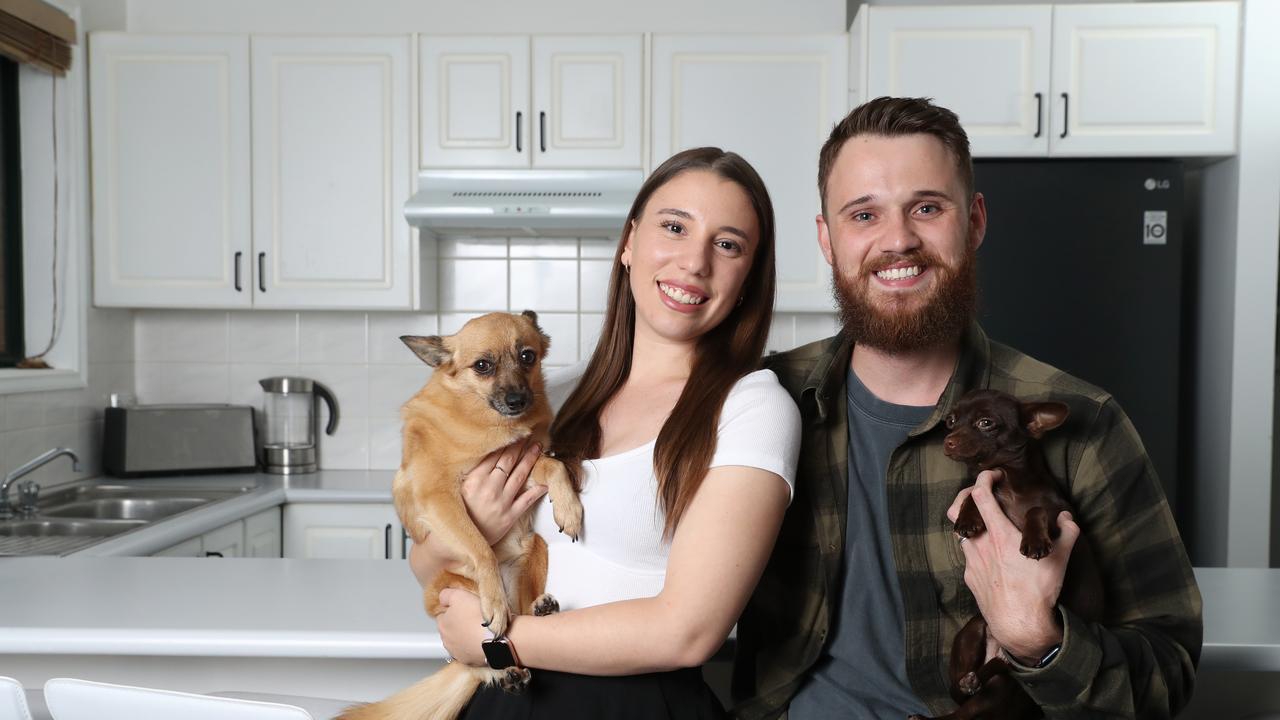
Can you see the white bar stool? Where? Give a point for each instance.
(18, 703)
(73, 699)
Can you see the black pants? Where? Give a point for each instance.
(679, 695)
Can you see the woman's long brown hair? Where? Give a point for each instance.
(724, 354)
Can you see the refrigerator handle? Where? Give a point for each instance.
(1066, 114)
(1039, 113)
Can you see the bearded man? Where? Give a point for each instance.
(868, 585)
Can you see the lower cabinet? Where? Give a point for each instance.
(255, 536)
(337, 530)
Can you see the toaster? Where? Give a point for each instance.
(177, 439)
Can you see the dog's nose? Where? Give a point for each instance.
(516, 400)
(950, 443)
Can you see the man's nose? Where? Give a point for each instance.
(899, 236)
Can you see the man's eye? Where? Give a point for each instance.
(862, 216)
(928, 209)
(528, 357)
(484, 367)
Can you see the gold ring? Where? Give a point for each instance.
(499, 467)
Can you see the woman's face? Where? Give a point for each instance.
(690, 252)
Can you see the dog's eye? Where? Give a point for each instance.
(985, 424)
(950, 422)
(482, 366)
(528, 357)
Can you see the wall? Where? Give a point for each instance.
(207, 356)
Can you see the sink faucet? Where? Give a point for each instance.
(7, 510)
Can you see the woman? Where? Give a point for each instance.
(684, 455)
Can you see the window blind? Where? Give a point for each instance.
(37, 33)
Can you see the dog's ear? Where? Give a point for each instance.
(431, 348)
(1041, 417)
(533, 318)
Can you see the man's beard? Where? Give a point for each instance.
(893, 327)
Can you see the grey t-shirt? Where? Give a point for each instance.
(862, 671)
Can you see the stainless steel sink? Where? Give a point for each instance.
(125, 508)
(66, 527)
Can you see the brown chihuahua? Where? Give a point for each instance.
(486, 393)
(990, 429)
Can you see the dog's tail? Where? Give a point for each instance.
(442, 696)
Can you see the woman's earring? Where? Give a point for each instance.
(741, 298)
(626, 267)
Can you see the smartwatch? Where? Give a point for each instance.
(1048, 657)
(500, 653)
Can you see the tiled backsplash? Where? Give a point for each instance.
(219, 356)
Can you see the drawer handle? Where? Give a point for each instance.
(262, 272)
(387, 536)
(239, 288)
(404, 543)
(542, 130)
(1039, 113)
(519, 122)
(1066, 114)
(211, 553)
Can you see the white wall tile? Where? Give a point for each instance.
(181, 336)
(243, 386)
(263, 337)
(110, 335)
(392, 386)
(604, 248)
(544, 248)
(332, 338)
(349, 385)
(385, 329)
(595, 284)
(384, 443)
(22, 411)
(544, 285)
(451, 323)
(590, 325)
(348, 447)
(563, 329)
(188, 383)
(460, 247)
(105, 379)
(473, 285)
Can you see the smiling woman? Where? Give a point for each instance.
(11, 334)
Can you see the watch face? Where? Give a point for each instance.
(498, 654)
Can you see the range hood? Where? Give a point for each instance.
(522, 202)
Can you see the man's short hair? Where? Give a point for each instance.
(895, 117)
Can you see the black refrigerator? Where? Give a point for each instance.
(1082, 268)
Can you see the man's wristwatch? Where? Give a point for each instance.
(1048, 657)
(500, 653)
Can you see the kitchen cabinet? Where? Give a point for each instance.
(773, 100)
(255, 536)
(541, 102)
(343, 530)
(191, 132)
(1149, 79)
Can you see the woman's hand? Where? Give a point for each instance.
(495, 491)
(459, 624)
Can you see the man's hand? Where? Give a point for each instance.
(1017, 595)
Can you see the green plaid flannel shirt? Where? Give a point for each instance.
(1139, 662)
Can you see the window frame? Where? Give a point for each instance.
(13, 349)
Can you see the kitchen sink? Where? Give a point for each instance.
(125, 508)
(66, 527)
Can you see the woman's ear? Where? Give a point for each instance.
(625, 257)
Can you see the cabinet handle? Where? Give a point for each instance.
(262, 272)
(238, 286)
(1066, 114)
(387, 536)
(519, 121)
(542, 130)
(404, 543)
(210, 553)
(1039, 113)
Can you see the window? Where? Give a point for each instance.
(11, 333)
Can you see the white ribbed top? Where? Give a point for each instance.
(621, 554)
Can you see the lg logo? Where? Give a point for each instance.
(1154, 184)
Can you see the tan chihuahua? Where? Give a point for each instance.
(486, 393)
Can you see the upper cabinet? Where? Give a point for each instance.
(1149, 79)
(772, 100)
(543, 102)
(190, 132)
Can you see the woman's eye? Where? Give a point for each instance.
(674, 227)
(528, 357)
(730, 245)
(484, 367)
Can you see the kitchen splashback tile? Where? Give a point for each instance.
(349, 385)
(595, 285)
(243, 381)
(544, 285)
(181, 336)
(600, 248)
(111, 335)
(183, 383)
(263, 337)
(451, 323)
(384, 443)
(22, 411)
(589, 334)
(348, 448)
(385, 329)
(543, 248)
(563, 329)
(470, 285)
(332, 338)
(392, 386)
(463, 247)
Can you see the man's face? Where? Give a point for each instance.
(900, 233)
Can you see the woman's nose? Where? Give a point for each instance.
(696, 257)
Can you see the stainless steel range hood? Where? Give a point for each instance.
(522, 202)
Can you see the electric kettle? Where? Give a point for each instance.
(291, 411)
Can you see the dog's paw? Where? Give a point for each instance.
(1036, 548)
(546, 604)
(568, 516)
(514, 680)
(968, 527)
(969, 684)
(495, 617)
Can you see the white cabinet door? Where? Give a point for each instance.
(331, 172)
(1145, 79)
(474, 102)
(707, 90)
(188, 548)
(227, 541)
(262, 534)
(320, 530)
(170, 150)
(588, 101)
(990, 65)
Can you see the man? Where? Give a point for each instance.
(868, 584)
